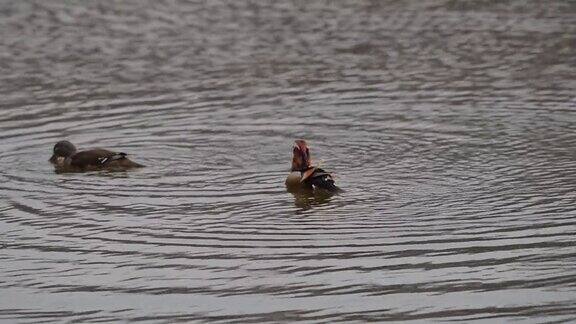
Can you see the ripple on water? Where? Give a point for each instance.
(448, 125)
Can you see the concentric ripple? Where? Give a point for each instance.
(450, 125)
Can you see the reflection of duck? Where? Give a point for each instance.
(309, 198)
(67, 159)
(306, 176)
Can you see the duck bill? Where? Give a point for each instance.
(57, 160)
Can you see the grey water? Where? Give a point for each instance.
(450, 125)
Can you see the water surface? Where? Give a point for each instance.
(450, 124)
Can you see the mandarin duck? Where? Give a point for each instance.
(304, 175)
(67, 158)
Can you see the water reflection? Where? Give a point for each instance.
(305, 198)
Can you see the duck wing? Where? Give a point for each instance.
(96, 158)
(322, 179)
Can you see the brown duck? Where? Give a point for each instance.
(306, 176)
(67, 158)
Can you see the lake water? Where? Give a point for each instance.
(450, 125)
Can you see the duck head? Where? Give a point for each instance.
(301, 156)
(62, 151)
